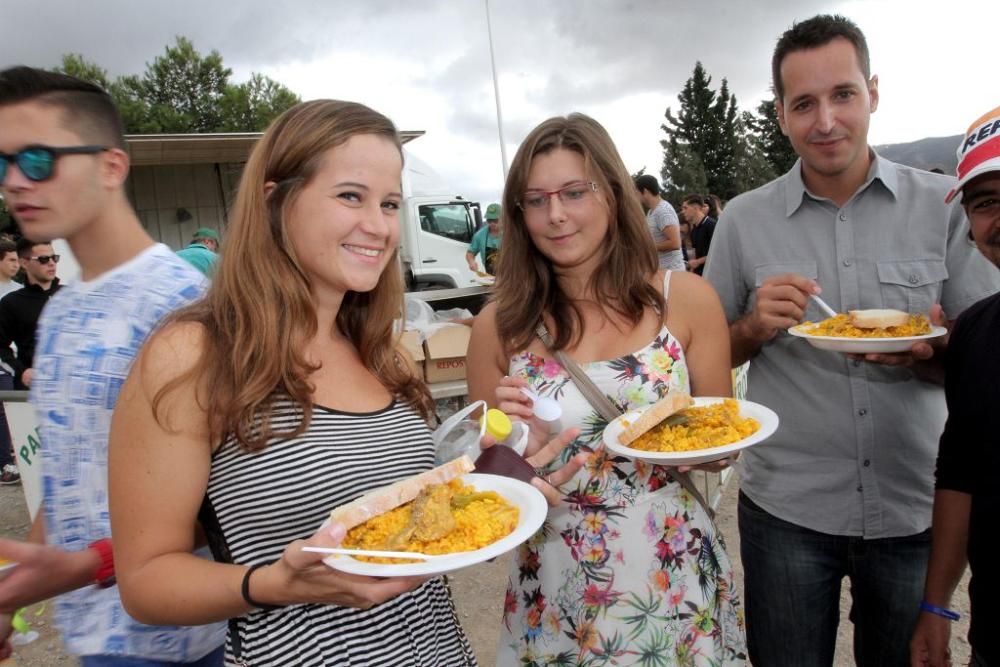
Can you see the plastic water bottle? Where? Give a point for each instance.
(507, 432)
(461, 433)
(461, 438)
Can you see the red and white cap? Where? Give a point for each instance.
(979, 151)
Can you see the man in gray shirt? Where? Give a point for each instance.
(845, 486)
(663, 223)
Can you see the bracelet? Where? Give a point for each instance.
(245, 590)
(104, 576)
(940, 611)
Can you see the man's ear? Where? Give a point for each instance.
(873, 92)
(115, 167)
(779, 110)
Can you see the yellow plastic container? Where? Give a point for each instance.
(498, 424)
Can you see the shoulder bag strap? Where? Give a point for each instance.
(600, 402)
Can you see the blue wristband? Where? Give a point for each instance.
(940, 611)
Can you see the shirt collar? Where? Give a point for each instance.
(880, 170)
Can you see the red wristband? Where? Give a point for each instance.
(104, 577)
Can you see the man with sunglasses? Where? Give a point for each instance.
(63, 167)
(20, 310)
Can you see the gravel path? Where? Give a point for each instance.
(478, 594)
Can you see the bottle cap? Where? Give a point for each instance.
(498, 424)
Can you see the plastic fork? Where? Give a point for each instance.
(373, 553)
(830, 312)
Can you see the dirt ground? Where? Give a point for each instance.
(478, 594)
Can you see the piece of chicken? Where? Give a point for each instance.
(430, 517)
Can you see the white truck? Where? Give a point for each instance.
(435, 231)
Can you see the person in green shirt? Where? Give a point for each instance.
(202, 252)
(486, 242)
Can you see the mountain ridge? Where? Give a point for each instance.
(927, 153)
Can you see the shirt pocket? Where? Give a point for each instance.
(911, 285)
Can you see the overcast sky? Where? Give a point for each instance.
(426, 64)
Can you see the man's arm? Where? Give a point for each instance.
(666, 221)
(950, 537)
(6, 338)
(672, 241)
(476, 246)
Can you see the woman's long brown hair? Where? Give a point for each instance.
(526, 282)
(259, 313)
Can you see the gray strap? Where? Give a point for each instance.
(600, 402)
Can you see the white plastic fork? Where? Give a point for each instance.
(373, 553)
(823, 305)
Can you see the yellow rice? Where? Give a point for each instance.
(706, 427)
(480, 523)
(841, 327)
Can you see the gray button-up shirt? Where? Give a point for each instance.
(854, 453)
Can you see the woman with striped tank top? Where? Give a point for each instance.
(278, 397)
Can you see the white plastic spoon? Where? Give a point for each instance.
(374, 553)
(830, 312)
(545, 408)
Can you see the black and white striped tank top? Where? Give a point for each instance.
(256, 504)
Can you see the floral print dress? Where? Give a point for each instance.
(629, 569)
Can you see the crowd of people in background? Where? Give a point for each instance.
(232, 415)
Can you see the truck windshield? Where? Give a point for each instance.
(452, 221)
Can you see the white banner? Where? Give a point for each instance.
(27, 450)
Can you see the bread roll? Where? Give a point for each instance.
(380, 501)
(878, 318)
(672, 403)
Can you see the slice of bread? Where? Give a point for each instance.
(878, 318)
(672, 403)
(381, 500)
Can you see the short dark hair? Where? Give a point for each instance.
(697, 200)
(26, 245)
(6, 247)
(648, 183)
(714, 206)
(87, 109)
(812, 34)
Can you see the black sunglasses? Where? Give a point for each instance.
(44, 259)
(38, 162)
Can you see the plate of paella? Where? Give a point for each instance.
(868, 332)
(466, 519)
(680, 430)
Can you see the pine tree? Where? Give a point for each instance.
(766, 135)
(703, 144)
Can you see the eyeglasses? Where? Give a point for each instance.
(38, 162)
(44, 259)
(537, 201)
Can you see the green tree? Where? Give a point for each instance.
(76, 65)
(706, 131)
(183, 91)
(683, 173)
(183, 88)
(765, 134)
(133, 109)
(251, 106)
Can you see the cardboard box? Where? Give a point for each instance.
(445, 353)
(410, 342)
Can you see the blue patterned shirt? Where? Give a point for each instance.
(88, 336)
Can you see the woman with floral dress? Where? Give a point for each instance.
(628, 568)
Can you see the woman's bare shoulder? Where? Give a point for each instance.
(172, 351)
